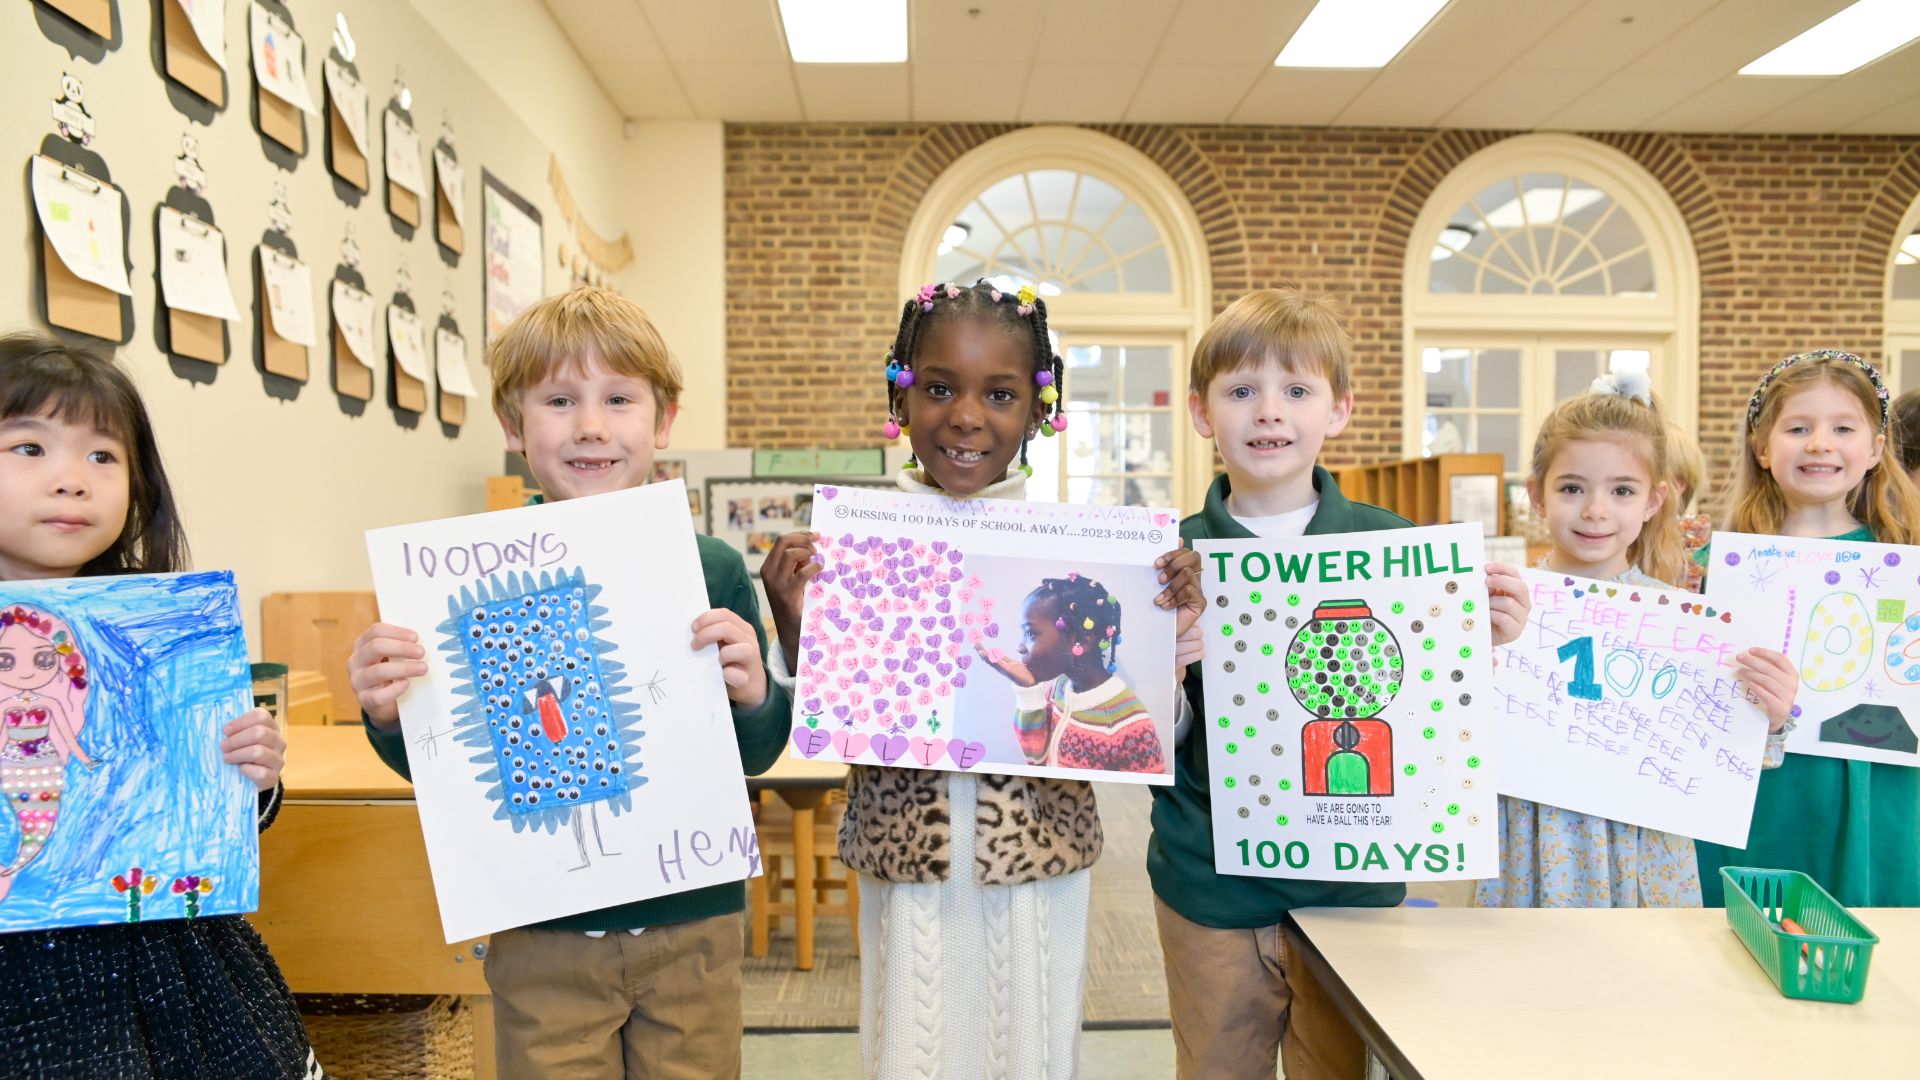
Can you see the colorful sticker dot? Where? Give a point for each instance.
(1286, 785)
(1226, 629)
(1439, 827)
(1428, 733)
(1263, 688)
(1399, 608)
(1232, 748)
(1437, 705)
(1453, 808)
(1473, 762)
(1230, 782)
(1255, 597)
(1467, 607)
(1281, 820)
(1466, 651)
(1410, 769)
(1267, 649)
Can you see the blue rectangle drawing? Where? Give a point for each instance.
(113, 695)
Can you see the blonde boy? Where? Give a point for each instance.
(1269, 384)
(586, 390)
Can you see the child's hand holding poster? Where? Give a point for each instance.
(1617, 701)
(1347, 682)
(569, 749)
(114, 693)
(989, 635)
(1847, 614)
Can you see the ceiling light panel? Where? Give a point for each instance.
(1356, 33)
(846, 31)
(1850, 38)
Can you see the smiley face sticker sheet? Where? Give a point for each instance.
(1347, 704)
(1847, 615)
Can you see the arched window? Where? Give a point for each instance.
(1535, 265)
(1109, 240)
(1903, 306)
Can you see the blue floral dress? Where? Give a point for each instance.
(1551, 857)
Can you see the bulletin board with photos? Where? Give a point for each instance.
(751, 513)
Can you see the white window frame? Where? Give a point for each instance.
(1671, 319)
(1901, 318)
(1180, 315)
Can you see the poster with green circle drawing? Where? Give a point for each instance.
(1346, 706)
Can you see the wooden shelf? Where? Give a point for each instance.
(1421, 489)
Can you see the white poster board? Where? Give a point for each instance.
(1618, 700)
(1347, 684)
(597, 765)
(923, 606)
(1847, 614)
(513, 268)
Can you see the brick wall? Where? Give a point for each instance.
(1791, 233)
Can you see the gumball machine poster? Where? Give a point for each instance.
(1345, 706)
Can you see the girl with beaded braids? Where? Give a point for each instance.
(1073, 709)
(1813, 463)
(962, 873)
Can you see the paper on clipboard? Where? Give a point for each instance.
(350, 97)
(289, 290)
(409, 337)
(353, 314)
(209, 21)
(453, 181)
(82, 219)
(403, 154)
(279, 59)
(450, 362)
(193, 266)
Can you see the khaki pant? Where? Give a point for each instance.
(664, 1005)
(1234, 993)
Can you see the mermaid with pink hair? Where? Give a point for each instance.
(43, 676)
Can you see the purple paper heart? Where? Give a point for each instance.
(993, 629)
(944, 670)
(897, 635)
(957, 636)
(829, 492)
(914, 652)
(893, 663)
(814, 656)
(954, 557)
(889, 747)
(882, 704)
(926, 622)
(876, 624)
(959, 680)
(956, 573)
(806, 641)
(942, 589)
(810, 741)
(860, 676)
(839, 712)
(939, 547)
(964, 660)
(901, 690)
(966, 754)
(811, 705)
(867, 612)
(948, 622)
(922, 681)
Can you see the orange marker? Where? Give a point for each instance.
(1819, 955)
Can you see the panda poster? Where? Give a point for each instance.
(1347, 694)
(569, 749)
(1847, 614)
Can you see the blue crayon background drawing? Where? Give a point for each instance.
(112, 763)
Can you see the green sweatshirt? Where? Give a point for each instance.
(761, 731)
(1180, 851)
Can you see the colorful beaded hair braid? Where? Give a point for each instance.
(1021, 310)
(1835, 355)
(1090, 610)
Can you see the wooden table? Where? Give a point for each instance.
(346, 900)
(803, 784)
(1439, 993)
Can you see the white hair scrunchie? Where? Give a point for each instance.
(1631, 383)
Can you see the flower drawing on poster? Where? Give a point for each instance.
(1345, 706)
(544, 701)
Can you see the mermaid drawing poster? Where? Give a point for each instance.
(1847, 614)
(569, 750)
(113, 694)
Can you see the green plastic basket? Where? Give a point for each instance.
(1828, 962)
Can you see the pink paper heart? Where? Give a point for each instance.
(927, 751)
(849, 744)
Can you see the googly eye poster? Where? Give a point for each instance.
(987, 635)
(1847, 615)
(1347, 681)
(1618, 700)
(569, 749)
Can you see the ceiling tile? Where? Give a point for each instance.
(854, 91)
(717, 31)
(1600, 37)
(1085, 93)
(1835, 104)
(761, 91)
(1412, 96)
(943, 32)
(1299, 96)
(644, 91)
(1900, 118)
(1734, 33)
(1488, 34)
(1191, 93)
(1231, 32)
(1625, 102)
(1519, 99)
(1730, 103)
(1101, 31)
(962, 91)
(608, 30)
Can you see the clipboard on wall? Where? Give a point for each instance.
(449, 197)
(454, 383)
(406, 184)
(195, 47)
(346, 148)
(96, 16)
(86, 289)
(407, 345)
(285, 287)
(355, 325)
(279, 74)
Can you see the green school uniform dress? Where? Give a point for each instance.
(1852, 826)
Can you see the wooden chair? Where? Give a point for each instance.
(768, 893)
(314, 631)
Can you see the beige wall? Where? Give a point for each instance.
(280, 491)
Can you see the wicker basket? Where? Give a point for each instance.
(367, 1039)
